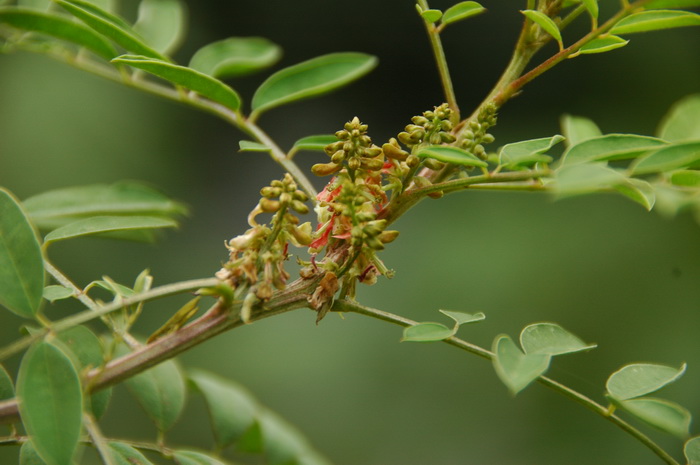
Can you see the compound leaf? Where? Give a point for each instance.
(546, 23)
(106, 224)
(671, 157)
(550, 339)
(611, 147)
(235, 56)
(461, 11)
(654, 20)
(682, 122)
(162, 23)
(639, 379)
(452, 155)
(662, 414)
(427, 332)
(516, 369)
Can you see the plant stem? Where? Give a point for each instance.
(353, 307)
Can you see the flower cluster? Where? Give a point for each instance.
(476, 136)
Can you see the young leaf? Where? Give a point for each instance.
(664, 4)
(452, 155)
(546, 23)
(205, 85)
(427, 332)
(231, 407)
(58, 27)
(672, 157)
(685, 178)
(692, 451)
(431, 15)
(576, 129)
(611, 147)
(516, 369)
(592, 7)
(462, 318)
(662, 414)
(312, 143)
(682, 122)
(21, 263)
(54, 292)
(310, 78)
(162, 23)
(124, 454)
(250, 146)
(7, 389)
(638, 190)
(584, 178)
(461, 11)
(235, 56)
(189, 457)
(110, 26)
(550, 339)
(28, 455)
(106, 224)
(639, 379)
(654, 20)
(50, 402)
(527, 152)
(603, 44)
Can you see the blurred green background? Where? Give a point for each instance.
(600, 266)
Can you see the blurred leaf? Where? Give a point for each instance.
(662, 414)
(252, 440)
(527, 152)
(576, 129)
(124, 454)
(662, 4)
(318, 142)
(692, 451)
(686, 178)
(50, 402)
(452, 155)
(551, 339)
(62, 206)
(250, 146)
(654, 20)
(431, 15)
(54, 292)
(639, 379)
(205, 85)
(462, 318)
(310, 78)
(639, 191)
(235, 56)
(585, 178)
(282, 442)
(546, 23)
(671, 157)
(21, 263)
(34, 4)
(58, 27)
(460, 11)
(110, 26)
(162, 23)
(682, 122)
(603, 44)
(177, 321)
(28, 455)
(592, 7)
(231, 407)
(189, 457)
(611, 147)
(516, 369)
(427, 332)
(103, 224)
(7, 389)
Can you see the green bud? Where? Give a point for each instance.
(487, 138)
(324, 169)
(371, 164)
(405, 138)
(299, 207)
(286, 198)
(270, 192)
(338, 157)
(433, 164)
(269, 206)
(435, 138)
(421, 181)
(388, 236)
(412, 161)
(447, 137)
(354, 163)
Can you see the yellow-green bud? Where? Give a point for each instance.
(434, 164)
(300, 207)
(324, 169)
(388, 236)
(269, 206)
(354, 163)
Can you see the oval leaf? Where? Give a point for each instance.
(426, 332)
(672, 157)
(692, 451)
(205, 85)
(54, 292)
(639, 379)
(576, 129)
(638, 191)
(21, 263)
(106, 224)
(29, 456)
(462, 318)
(550, 339)
(585, 178)
(603, 44)
(516, 369)
(283, 443)
(231, 407)
(189, 457)
(546, 23)
(58, 27)
(311, 78)
(654, 20)
(124, 454)
(235, 56)
(682, 122)
(431, 15)
(452, 155)
(50, 402)
(528, 152)
(686, 178)
(611, 147)
(7, 389)
(662, 414)
(161, 23)
(663, 4)
(461, 11)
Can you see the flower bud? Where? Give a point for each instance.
(270, 192)
(354, 163)
(299, 207)
(371, 164)
(412, 161)
(269, 206)
(391, 150)
(433, 164)
(388, 236)
(324, 169)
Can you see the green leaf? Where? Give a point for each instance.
(692, 451)
(682, 122)
(50, 402)
(654, 20)
(161, 392)
(461, 11)
(662, 414)
(550, 339)
(54, 292)
(592, 7)
(110, 26)
(7, 389)
(576, 129)
(58, 27)
(663, 4)
(106, 224)
(250, 146)
(189, 457)
(546, 23)
(427, 332)
(611, 147)
(231, 407)
(603, 44)
(462, 318)
(685, 178)
(527, 152)
(21, 263)
(235, 56)
(516, 369)
(431, 15)
(34, 4)
(205, 85)
(283, 443)
(310, 78)
(639, 379)
(452, 155)
(28, 455)
(124, 454)
(584, 178)
(162, 23)
(671, 157)
(317, 143)
(639, 191)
